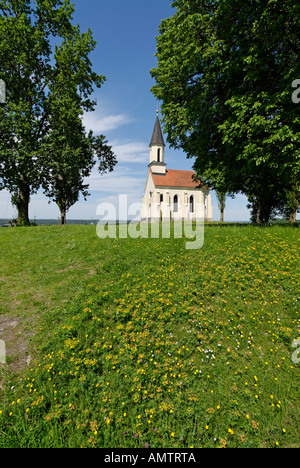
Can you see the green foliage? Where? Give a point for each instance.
(159, 345)
(42, 139)
(224, 75)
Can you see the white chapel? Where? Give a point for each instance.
(172, 194)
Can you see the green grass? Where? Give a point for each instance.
(144, 342)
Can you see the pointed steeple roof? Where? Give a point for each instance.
(157, 136)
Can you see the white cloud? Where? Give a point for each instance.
(101, 124)
(131, 152)
(121, 180)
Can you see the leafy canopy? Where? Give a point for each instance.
(224, 76)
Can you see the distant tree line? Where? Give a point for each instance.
(45, 65)
(226, 73)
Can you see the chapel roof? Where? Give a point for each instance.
(176, 178)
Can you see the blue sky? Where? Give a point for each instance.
(125, 32)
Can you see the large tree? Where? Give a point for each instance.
(71, 153)
(224, 75)
(43, 81)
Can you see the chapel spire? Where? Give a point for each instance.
(157, 149)
(157, 136)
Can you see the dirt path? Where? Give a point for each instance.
(16, 343)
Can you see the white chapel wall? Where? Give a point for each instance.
(158, 203)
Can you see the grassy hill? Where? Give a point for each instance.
(130, 343)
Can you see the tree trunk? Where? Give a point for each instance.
(263, 212)
(293, 216)
(267, 211)
(222, 216)
(258, 213)
(293, 201)
(222, 203)
(21, 201)
(63, 213)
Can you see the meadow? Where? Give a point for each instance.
(142, 343)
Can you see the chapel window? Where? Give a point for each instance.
(175, 204)
(192, 204)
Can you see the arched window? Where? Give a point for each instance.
(158, 155)
(161, 198)
(175, 204)
(192, 204)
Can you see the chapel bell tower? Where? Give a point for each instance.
(157, 149)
